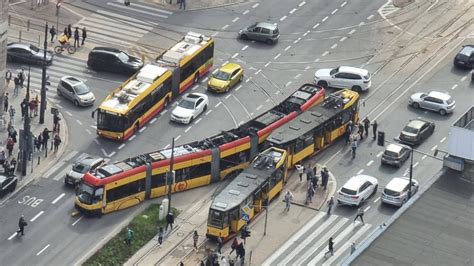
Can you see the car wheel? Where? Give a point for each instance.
(442, 112)
(323, 83)
(191, 120)
(404, 201)
(205, 108)
(76, 103)
(12, 188)
(59, 93)
(241, 78)
(375, 189)
(269, 42)
(244, 37)
(416, 105)
(357, 89)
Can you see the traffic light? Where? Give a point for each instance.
(380, 138)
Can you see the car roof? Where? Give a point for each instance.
(71, 80)
(467, 50)
(439, 95)
(417, 123)
(398, 183)
(266, 25)
(355, 182)
(19, 45)
(106, 49)
(353, 70)
(90, 160)
(229, 67)
(394, 148)
(193, 96)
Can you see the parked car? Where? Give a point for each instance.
(395, 154)
(113, 60)
(416, 131)
(76, 91)
(80, 168)
(396, 191)
(7, 184)
(357, 189)
(343, 77)
(225, 78)
(190, 107)
(434, 101)
(27, 53)
(261, 31)
(465, 57)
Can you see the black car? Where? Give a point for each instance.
(27, 53)
(113, 60)
(416, 131)
(465, 57)
(7, 184)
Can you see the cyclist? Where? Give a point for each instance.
(64, 40)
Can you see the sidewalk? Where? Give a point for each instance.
(281, 225)
(194, 4)
(35, 168)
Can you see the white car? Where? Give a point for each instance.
(396, 191)
(344, 77)
(434, 101)
(190, 107)
(357, 189)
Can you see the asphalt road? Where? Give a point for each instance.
(314, 35)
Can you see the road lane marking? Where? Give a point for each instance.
(132, 137)
(258, 71)
(267, 64)
(12, 236)
(267, 100)
(58, 198)
(307, 67)
(245, 47)
(325, 53)
(379, 154)
(142, 129)
(235, 55)
(178, 137)
(366, 209)
(36, 216)
(416, 164)
(324, 19)
(315, 26)
(238, 88)
(343, 4)
(153, 120)
(241, 123)
(293, 10)
(41, 251)
(317, 60)
(352, 31)
(254, 6)
(166, 146)
(79, 122)
(187, 129)
(225, 26)
(434, 147)
(377, 199)
(361, 24)
(70, 155)
(69, 113)
(194, 87)
(222, 65)
(208, 112)
(277, 92)
(334, 46)
(121, 146)
(302, 4)
(283, 18)
(235, 19)
(423, 157)
(288, 83)
(343, 39)
(246, 12)
(247, 80)
(228, 96)
(164, 112)
(454, 86)
(217, 105)
(306, 33)
(370, 17)
(370, 162)
(88, 131)
(297, 76)
(334, 11)
(259, 107)
(287, 48)
(53, 169)
(442, 140)
(197, 121)
(75, 222)
(214, 34)
(297, 40)
(112, 154)
(360, 171)
(463, 78)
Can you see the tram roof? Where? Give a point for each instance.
(314, 117)
(249, 181)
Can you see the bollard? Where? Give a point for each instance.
(28, 25)
(19, 36)
(39, 159)
(9, 20)
(39, 40)
(46, 151)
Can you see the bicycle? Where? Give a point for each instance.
(60, 48)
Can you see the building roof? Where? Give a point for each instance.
(461, 136)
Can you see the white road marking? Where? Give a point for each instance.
(379, 154)
(208, 112)
(423, 157)
(442, 140)
(434, 147)
(178, 137)
(41, 251)
(315, 26)
(61, 107)
(164, 111)
(277, 92)
(283, 18)
(246, 12)
(247, 80)
(334, 46)
(112, 154)
(370, 17)
(267, 64)
(194, 87)
(302, 4)
(416, 164)
(297, 40)
(259, 107)
(254, 6)
(251, 114)
(245, 47)
(187, 129)
(463, 78)
(361, 24)
(352, 31)
(68, 113)
(222, 65)
(377, 199)
(360, 171)
(235, 19)
(334, 11)
(370, 162)
(297, 76)
(343, 4)
(343, 39)
(366, 209)
(36, 216)
(88, 131)
(306, 33)
(267, 100)
(258, 71)
(197, 121)
(307, 67)
(142, 129)
(241, 122)
(214, 34)
(324, 19)
(54, 168)
(454, 86)
(132, 137)
(167, 146)
(228, 96)
(235, 55)
(217, 105)
(58, 198)
(288, 47)
(225, 26)
(153, 120)
(121, 146)
(288, 83)
(293, 10)
(75, 222)
(204, 80)
(12, 236)
(325, 53)
(94, 127)
(238, 88)
(96, 141)
(317, 60)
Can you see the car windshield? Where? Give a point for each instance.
(390, 192)
(221, 75)
(348, 191)
(252, 26)
(85, 193)
(110, 121)
(81, 168)
(390, 154)
(81, 89)
(123, 57)
(467, 51)
(186, 104)
(410, 129)
(334, 71)
(34, 49)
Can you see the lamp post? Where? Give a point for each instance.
(411, 172)
(170, 175)
(43, 76)
(26, 130)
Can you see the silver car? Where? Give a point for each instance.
(434, 101)
(261, 31)
(76, 91)
(395, 154)
(81, 167)
(396, 191)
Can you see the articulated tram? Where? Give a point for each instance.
(128, 182)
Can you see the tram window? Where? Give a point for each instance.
(218, 219)
(346, 116)
(200, 170)
(303, 142)
(235, 159)
(125, 190)
(158, 180)
(98, 194)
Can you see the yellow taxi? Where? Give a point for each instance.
(225, 78)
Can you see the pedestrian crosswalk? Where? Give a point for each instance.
(309, 246)
(58, 171)
(387, 9)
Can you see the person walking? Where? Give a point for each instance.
(24, 108)
(16, 89)
(45, 138)
(13, 166)
(361, 131)
(22, 77)
(374, 129)
(160, 235)
(300, 169)
(219, 244)
(309, 173)
(37, 102)
(347, 135)
(354, 148)
(288, 198)
(31, 104)
(12, 113)
(182, 4)
(5, 102)
(169, 221)
(310, 193)
(69, 31)
(331, 246)
(12, 133)
(10, 146)
(76, 37)
(53, 33)
(57, 141)
(330, 204)
(366, 126)
(195, 238)
(38, 142)
(8, 78)
(324, 177)
(21, 224)
(360, 213)
(84, 35)
(353, 247)
(56, 120)
(129, 236)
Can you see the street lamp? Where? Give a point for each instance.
(43, 76)
(171, 175)
(26, 130)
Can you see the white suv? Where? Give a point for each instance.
(344, 77)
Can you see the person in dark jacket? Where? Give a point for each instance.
(45, 137)
(21, 224)
(76, 37)
(169, 221)
(5, 102)
(52, 31)
(56, 120)
(69, 31)
(366, 126)
(84, 35)
(374, 129)
(24, 107)
(324, 177)
(12, 166)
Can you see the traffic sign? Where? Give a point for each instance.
(245, 217)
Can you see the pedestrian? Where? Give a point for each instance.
(361, 131)
(76, 37)
(288, 198)
(10, 146)
(8, 77)
(309, 173)
(37, 102)
(219, 244)
(331, 246)
(129, 236)
(195, 238)
(374, 129)
(16, 82)
(3, 158)
(12, 112)
(314, 182)
(32, 107)
(354, 148)
(21, 224)
(57, 142)
(353, 247)
(84, 35)
(24, 108)
(182, 4)
(366, 126)
(69, 31)
(65, 32)
(45, 138)
(38, 142)
(347, 136)
(56, 120)
(169, 220)
(53, 32)
(5, 102)
(360, 213)
(330, 203)
(6, 168)
(300, 169)
(309, 193)
(160, 235)
(12, 166)
(12, 133)
(324, 177)
(22, 77)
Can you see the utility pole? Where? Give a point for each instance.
(26, 130)
(411, 173)
(171, 175)
(58, 7)
(43, 76)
